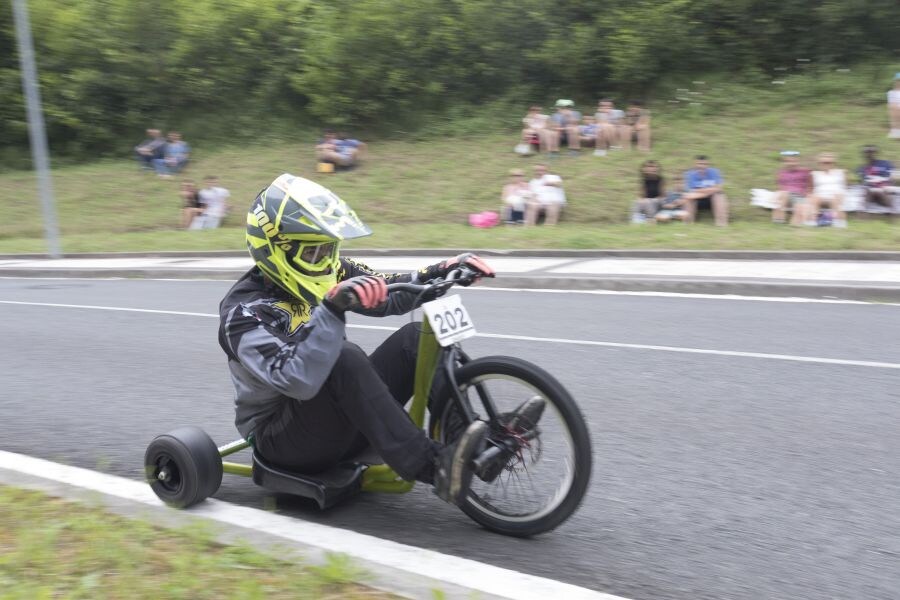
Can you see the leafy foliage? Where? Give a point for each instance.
(110, 68)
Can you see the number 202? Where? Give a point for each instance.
(448, 320)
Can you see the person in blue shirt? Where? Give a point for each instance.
(340, 150)
(876, 175)
(703, 185)
(348, 147)
(175, 157)
(565, 122)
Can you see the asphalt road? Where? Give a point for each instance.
(716, 475)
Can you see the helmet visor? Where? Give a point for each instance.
(316, 253)
(313, 258)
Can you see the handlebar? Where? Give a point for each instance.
(461, 275)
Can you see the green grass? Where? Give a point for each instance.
(53, 549)
(419, 193)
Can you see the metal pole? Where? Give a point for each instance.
(36, 132)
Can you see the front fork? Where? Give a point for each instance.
(454, 355)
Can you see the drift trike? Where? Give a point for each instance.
(529, 480)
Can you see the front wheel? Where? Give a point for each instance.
(546, 468)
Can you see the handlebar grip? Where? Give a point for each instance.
(348, 297)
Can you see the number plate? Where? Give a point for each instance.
(449, 319)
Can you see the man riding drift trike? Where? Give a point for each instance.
(310, 401)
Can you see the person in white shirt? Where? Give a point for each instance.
(894, 108)
(515, 197)
(829, 188)
(214, 202)
(549, 197)
(537, 124)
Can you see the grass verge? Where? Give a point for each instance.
(50, 548)
(861, 235)
(418, 193)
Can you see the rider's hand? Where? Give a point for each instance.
(441, 269)
(365, 291)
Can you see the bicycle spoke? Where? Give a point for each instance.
(528, 483)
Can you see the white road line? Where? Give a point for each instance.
(526, 338)
(114, 308)
(483, 288)
(684, 295)
(454, 570)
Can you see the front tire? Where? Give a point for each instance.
(183, 467)
(541, 485)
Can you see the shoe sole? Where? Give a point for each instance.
(461, 470)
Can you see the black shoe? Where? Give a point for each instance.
(453, 468)
(523, 419)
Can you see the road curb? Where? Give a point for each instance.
(273, 533)
(860, 291)
(841, 255)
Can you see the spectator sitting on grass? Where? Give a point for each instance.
(326, 149)
(214, 200)
(339, 151)
(350, 148)
(635, 127)
(191, 207)
(537, 129)
(150, 148)
(704, 192)
(608, 119)
(672, 206)
(515, 195)
(587, 132)
(794, 183)
(650, 194)
(549, 197)
(875, 176)
(894, 108)
(565, 123)
(175, 156)
(829, 188)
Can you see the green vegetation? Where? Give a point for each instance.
(418, 192)
(53, 549)
(225, 70)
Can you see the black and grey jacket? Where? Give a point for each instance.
(281, 348)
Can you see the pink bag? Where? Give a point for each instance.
(484, 219)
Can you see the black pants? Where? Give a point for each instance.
(360, 403)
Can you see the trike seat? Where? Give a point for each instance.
(326, 488)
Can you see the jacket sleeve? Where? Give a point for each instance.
(296, 368)
(398, 303)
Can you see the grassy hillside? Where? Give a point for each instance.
(418, 193)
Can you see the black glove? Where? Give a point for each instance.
(441, 269)
(364, 291)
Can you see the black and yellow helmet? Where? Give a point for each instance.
(294, 230)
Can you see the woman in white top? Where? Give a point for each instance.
(548, 197)
(829, 189)
(894, 108)
(516, 194)
(535, 124)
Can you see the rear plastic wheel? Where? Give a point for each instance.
(543, 475)
(183, 467)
